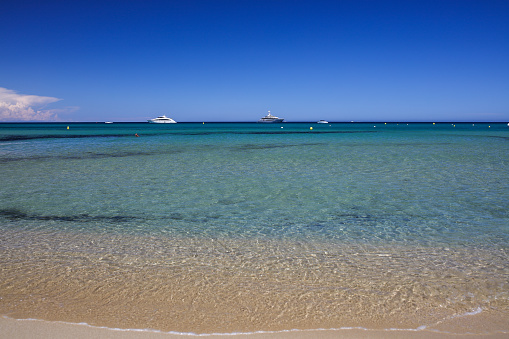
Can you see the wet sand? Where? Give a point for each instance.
(34, 329)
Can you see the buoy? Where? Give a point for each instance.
(433, 123)
(311, 128)
(204, 123)
(67, 127)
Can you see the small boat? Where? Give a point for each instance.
(322, 122)
(108, 122)
(163, 119)
(271, 118)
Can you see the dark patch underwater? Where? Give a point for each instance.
(14, 214)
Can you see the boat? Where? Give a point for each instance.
(322, 122)
(271, 118)
(163, 119)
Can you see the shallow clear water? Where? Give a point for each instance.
(372, 224)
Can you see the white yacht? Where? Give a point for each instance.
(163, 119)
(322, 122)
(270, 118)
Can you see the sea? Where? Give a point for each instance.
(204, 228)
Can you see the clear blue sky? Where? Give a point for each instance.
(233, 60)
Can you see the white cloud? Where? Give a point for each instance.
(23, 107)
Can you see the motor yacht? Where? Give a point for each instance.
(271, 118)
(163, 119)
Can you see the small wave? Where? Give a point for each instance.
(474, 312)
(192, 334)
(478, 310)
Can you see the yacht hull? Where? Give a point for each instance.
(270, 122)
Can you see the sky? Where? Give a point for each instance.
(233, 60)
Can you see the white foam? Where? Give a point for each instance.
(474, 312)
(192, 334)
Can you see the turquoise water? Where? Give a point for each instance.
(376, 189)
(345, 182)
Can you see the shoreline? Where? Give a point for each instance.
(34, 329)
(185, 295)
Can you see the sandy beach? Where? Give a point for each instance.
(34, 329)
